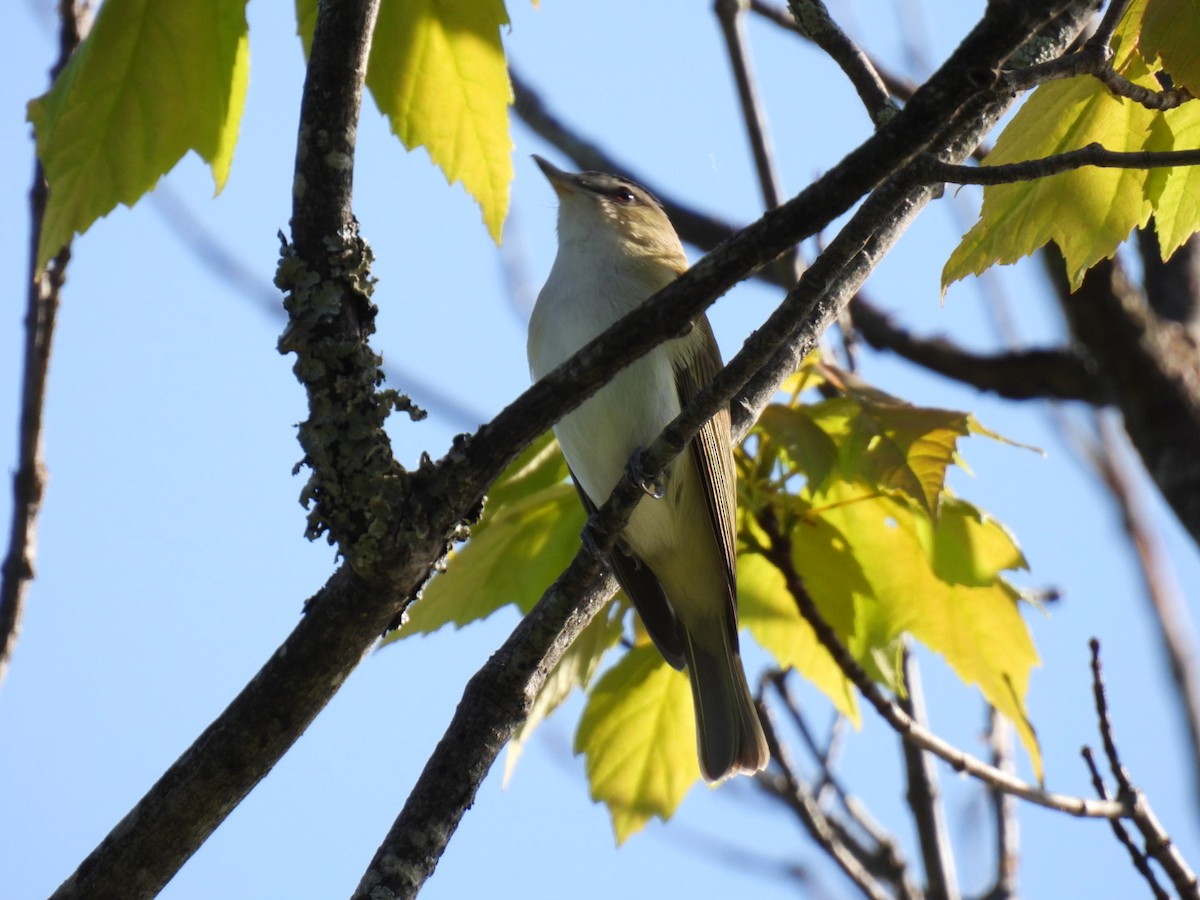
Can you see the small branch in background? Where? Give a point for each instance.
(1136, 856)
(787, 786)
(924, 799)
(813, 21)
(220, 261)
(1170, 614)
(893, 85)
(729, 14)
(1158, 843)
(880, 854)
(41, 311)
(1004, 807)
(1017, 375)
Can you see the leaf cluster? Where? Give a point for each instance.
(858, 478)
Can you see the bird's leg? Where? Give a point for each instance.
(652, 487)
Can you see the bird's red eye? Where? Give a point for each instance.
(623, 195)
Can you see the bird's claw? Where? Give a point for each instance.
(651, 487)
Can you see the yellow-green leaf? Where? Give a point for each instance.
(769, 612)
(1087, 212)
(437, 71)
(540, 465)
(152, 80)
(638, 734)
(525, 546)
(1177, 209)
(975, 626)
(575, 669)
(1171, 31)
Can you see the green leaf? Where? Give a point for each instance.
(539, 466)
(1177, 208)
(151, 81)
(769, 612)
(877, 440)
(638, 734)
(973, 622)
(437, 71)
(524, 547)
(1171, 31)
(575, 669)
(1087, 212)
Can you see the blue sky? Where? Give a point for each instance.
(171, 560)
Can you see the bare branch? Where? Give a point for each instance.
(814, 22)
(1004, 806)
(789, 788)
(1174, 625)
(1136, 856)
(754, 116)
(1158, 843)
(779, 553)
(924, 796)
(1017, 375)
(41, 310)
(887, 82)
(1091, 155)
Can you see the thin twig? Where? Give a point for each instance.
(779, 553)
(1004, 807)
(788, 787)
(41, 310)
(893, 85)
(885, 860)
(1159, 845)
(1175, 628)
(924, 797)
(1091, 155)
(1136, 856)
(814, 22)
(754, 116)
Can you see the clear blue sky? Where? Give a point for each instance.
(171, 560)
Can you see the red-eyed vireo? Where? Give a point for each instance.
(677, 556)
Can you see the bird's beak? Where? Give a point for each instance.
(561, 181)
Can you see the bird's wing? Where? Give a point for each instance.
(646, 594)
(712, 449)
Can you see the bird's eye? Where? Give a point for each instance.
(623, 196)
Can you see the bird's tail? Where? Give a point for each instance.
(729, 736)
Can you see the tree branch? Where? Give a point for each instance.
(778, 552)
(923, 795)
(1091, 155)
(1152, 372)
(1018, 375)
(813, 21)
(1158, 843)
(41, 310)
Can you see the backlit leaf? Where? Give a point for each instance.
(153, 80)
(1087, 212)
(437, 71)
(638, 735)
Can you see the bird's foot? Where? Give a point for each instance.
(655, 487)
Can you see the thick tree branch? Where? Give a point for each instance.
(41, 309)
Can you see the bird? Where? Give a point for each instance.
(676, 557)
